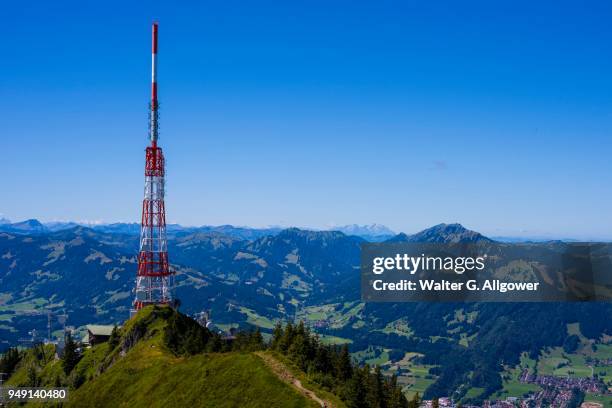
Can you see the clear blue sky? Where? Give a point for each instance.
(497, 114)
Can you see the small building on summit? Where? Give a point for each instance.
(97, 334)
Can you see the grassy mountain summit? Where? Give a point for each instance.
(141, 368)
(163, 358)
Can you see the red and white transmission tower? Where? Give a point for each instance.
(155, 280)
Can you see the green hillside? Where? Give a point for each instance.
(149, 377)
(142, 371)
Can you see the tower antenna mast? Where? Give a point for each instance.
(154, 280)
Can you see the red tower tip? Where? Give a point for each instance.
(155, 38)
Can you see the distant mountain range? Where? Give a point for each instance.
(31, 226)
(373, 232)
(257, 277)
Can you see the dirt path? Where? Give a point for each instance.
(286, 376)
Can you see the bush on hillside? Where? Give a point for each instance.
(71, 356)
(571, 343)
(9, 361)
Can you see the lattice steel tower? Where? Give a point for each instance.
(154, 280)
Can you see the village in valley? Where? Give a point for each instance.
(578, 376)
